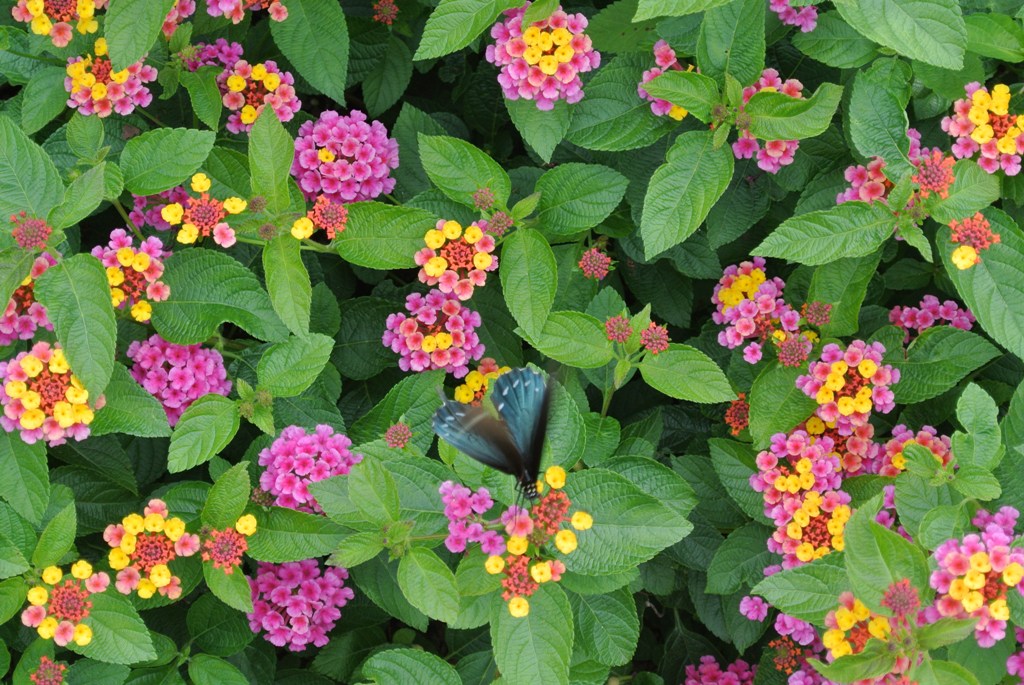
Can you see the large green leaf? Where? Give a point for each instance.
(314, 38)
(537, 647)
(205, 428)
(454, 24)
(673, 8)
(937, 360)
(459, 169)
(878, 123)
(734, 465)
(686, 373)
(26, 486)
(129, 409)
(271, 150)
(29, 182)
(740, 560)
(393, 666)
(931, 31)
(118, 634)
(697, 93)
(996, 36)
(775, 116)
(574, 197)
(973, 190)
(131, 28)
(15, 265)
(835, 43)
(57, 538)
(76, 295)
(776, 404)
(163, 158)
(732, 41)
(843, 284)
(429, 584)
(287, 535)
(806, 592)
(288, 285)
(227, 498)
(877, 557)
(381, 236)
(288, 368)
(43, 98)
(573, 338)
(607, 627)
(206, 669)
(81, 198)
(204, 93)
(383, 86)
(853, 229)
(529, 278)
(542, 130)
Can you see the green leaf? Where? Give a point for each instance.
(378, 578)
(931, 31)
(13, 563)
(932, 672)
(373, 490)
(288, 285)
(529, 277)
(206, 669)
(539, 11)
(357, 548)
(380, 236)
(734, 464)
(231, 588)
(227, 498)
(732, 41)
(284, 535)
(393, 666)
(288, 368)
(81, 198)
(775, 116)
(697, 93)
(873, 662)
(977, 482)
(85, 135)
(994, 288)
(118, 634)
(315, 40)
(271, 151)
(806, 592)
(943, 522)
(43, 98)
(877, 557)
(537, 647)
(843, 284)
(542, 130)
(76, 295)
(607, 627)
(454, 24)
(740, 560)
(414, 400)
(996, 36)
(85, 671)
(683, 190)
(429, 584)
(205, 428)
(852, 229)
(57, 538)
(937, 360)
(204, 93)
(574, 197)
(673, 8)
(459, 169)
(973, 190)
(878, 123)
(384, 86)
(776, 404)
(129, 409)
(944, 632)
(29, 182)
(15, 265)
(573, 338)
(982, 444)
(163, 158)
(215, 629)
(686, 373)
(26, 485)
(131, 28)
(207, 289)
(835, 43)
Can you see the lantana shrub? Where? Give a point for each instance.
(765, 254)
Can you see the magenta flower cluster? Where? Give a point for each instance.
(857, 358)
(543, 61)
(780, 461)
(219, 53)
(297, 458)
(235, 9)
(665, 58)
(927, 437)
(776, 153)
(146, 209)
(930, 313)
(182, 10)
(122, 98)
(439, 333)
(709, 672)
(177, 375)
(344, 158)
(464, 509)
(23, 315)
(869, 182)
(991, 158)
(297, 604)
(751, 306)
(806, 17)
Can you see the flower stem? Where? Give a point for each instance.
(124, 215)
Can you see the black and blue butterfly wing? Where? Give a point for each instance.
(475, 432)
(523, 400)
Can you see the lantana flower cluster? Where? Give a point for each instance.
(59, 607)
(520, 557)
(805, 18)
(224, 548)
(146, 209)
(542, 62)
(439, 333)
(857, 451)
(972, 235)
(848, 384)
(297, 458)
(982, 123)
(976, 573)
(177, 375)
(456, 259)
(43, 399)
(30, 232)
(776, 153)
(142, 548)
(851, 625)
(203, 216)
(54, 18)
(930, 312)
(221, 53)
(344, 158)
(893, 462)
(182, 10)
(247, 89)
(709, 672)
(96, 88)
(296, 604)
(666, 60)
(595, 263)
(133, 273)
(23, 315)
(327, 215)
(751, 306)
(48, 672)
(235, 9)
(475, 384)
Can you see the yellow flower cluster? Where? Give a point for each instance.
(547, 49)
(42, 24)
(854, 626)
(836, 381)
(83, 78)
(969, 589)
(476, 382)
(819, 532)
(46, 377)
(237, 83)
(991, 118)
(743, 287)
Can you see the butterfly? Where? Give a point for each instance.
(511, 443)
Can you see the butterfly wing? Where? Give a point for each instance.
(523, 399)
(475, 432)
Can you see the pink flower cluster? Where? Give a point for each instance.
(709, 672)
(751, 306)
(848, 383)
(146, 208)
(975, 574)
(456, 260)
(665, 58)
(23, 315)
(464, 509)
(137, 278)
(893, 462)
(219, 53)
(869, 183)
(297, 603)
(297, 458)
(930, 313)
(177, 375)
(439, 334)
(258, 86)
(978, 127)
(543, 61)
(344, 157)
(805, 17)
(109, 92)
(887, 515)
(776, 153)
(182, 10)
(1015, 662)
(235, 9)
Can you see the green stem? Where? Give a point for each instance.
(607, 402)
(124, 215)
(250, 241)
(308, 244)
(143, 112)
